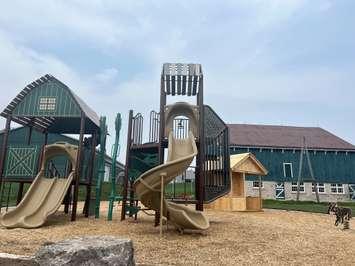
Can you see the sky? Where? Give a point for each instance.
(278, 62)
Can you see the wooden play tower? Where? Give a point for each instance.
(212, 175)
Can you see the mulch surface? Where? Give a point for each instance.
(269, 237)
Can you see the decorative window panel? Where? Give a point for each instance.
(47, 103)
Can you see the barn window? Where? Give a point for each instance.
(337, 188)
(288, 171)
(294, 187)
(47, 103)
(256, 184)
(320, 186)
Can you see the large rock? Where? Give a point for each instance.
(103, 250)
(16, 260)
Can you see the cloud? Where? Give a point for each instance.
(260, 59)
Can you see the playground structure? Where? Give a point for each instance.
(45, 194)
(190, 126)
(49, 106)
(241, 165)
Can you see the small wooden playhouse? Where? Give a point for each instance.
(237, 200)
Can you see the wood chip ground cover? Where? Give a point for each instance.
(269, 237)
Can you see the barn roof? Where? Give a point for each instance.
(285, 137)
(63, 118)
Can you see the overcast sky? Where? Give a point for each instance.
(284, 62)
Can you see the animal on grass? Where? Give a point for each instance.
(341, 213)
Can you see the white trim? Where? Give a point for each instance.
(290, 168)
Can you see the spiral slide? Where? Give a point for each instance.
(44, 196)
(181, 152)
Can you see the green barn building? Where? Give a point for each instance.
(278, 148)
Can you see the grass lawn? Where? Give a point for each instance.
(306, 206)
(10, 192)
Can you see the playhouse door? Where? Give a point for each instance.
(280, 190)
(352, 191)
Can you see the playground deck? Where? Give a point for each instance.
(272, 237)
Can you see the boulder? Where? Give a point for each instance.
(16, 260)
(98, 250)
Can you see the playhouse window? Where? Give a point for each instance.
(294, 187)
(337, 188)
(320, 186)
(256, 184)
(288, 171)
(47, 103)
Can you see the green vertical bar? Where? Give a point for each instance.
(101, 161)
(118, 123)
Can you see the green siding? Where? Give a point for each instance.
(18, 138)
(329, 167)
(65, 105)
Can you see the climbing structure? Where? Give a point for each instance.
(48, 106)
(211, 175)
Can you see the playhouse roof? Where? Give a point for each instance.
(247, 163)
(285, 137)
(49, 105)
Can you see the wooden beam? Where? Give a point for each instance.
(4, 148)
(91, 174)
(200, 184)
(128, 148)
(78, 167)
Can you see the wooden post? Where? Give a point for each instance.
(128, 148)
(161, 203)
(161, 133)
(91, 174)
(67, 198)
(42, 150)
(21, 184)
(78, 167)
(199, 173)
(4, 149)
(261, 200)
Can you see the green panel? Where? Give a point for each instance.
(18, 138)
(328, 166)
(142, 160)
(39, 102)
(21, 161)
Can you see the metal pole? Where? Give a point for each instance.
(300, 171)
(78, 167)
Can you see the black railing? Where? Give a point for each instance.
(181, 128)
(154, 127)
(216, 160)
(137, 129)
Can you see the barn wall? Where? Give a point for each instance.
(268, 192)
(328, 167)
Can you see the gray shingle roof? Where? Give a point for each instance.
(285, 137)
